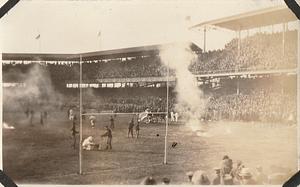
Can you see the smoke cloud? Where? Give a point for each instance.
(190, 102)
(37, 92)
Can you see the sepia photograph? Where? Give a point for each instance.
(148, 92)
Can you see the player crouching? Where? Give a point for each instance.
(89, 144)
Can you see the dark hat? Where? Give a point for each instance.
(166, 180)
(149, 181)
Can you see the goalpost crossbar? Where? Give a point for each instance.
(124, 113)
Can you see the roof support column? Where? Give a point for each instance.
(237, 86)
(283, 38)
(204, 39)
(238, 49)
(239, 43)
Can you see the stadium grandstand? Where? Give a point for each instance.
(260, 57)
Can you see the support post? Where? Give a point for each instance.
(204, 39)
(167, 117)
(237, 86)
(80, 116)
(272, 27)
(283, 39)
(238, 50)
(239, 43)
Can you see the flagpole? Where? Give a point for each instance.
(167, 118)
(39, 44)
(99, 42)
(80, 115)
(99, 37)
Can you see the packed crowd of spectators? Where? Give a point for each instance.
(229, 172)
(258, 105)
(261, 51)
(127, 100)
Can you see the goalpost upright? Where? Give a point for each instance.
(80, 114)
(167, 117)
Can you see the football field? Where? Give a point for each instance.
(44, 154)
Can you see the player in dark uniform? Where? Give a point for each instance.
(130, 128)
(31, 116)
(74, 132)
(112, 123)
(137, 129)
(45, 116)
(108, 134)
(42, 118)
(27, 112)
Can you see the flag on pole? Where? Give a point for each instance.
(38, 37)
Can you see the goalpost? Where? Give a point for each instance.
(86, 114)
(80, 115)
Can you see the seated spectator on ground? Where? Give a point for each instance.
(260, 176)
(225, 170)
(236, 171)
(246, 177)
(190, 175)
(217, 177)
(165, 181)
(200, 178)
(148, 181)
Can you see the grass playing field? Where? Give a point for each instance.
(43, 154)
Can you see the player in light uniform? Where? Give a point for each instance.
(88, 144)
(92, 121)
(172, 116)
(71, 114)
(176, 116)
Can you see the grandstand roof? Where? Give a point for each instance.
(253, 19)
(107, 54)
(130, 52)
(39, 57)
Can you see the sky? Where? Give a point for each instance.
(74, 26)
